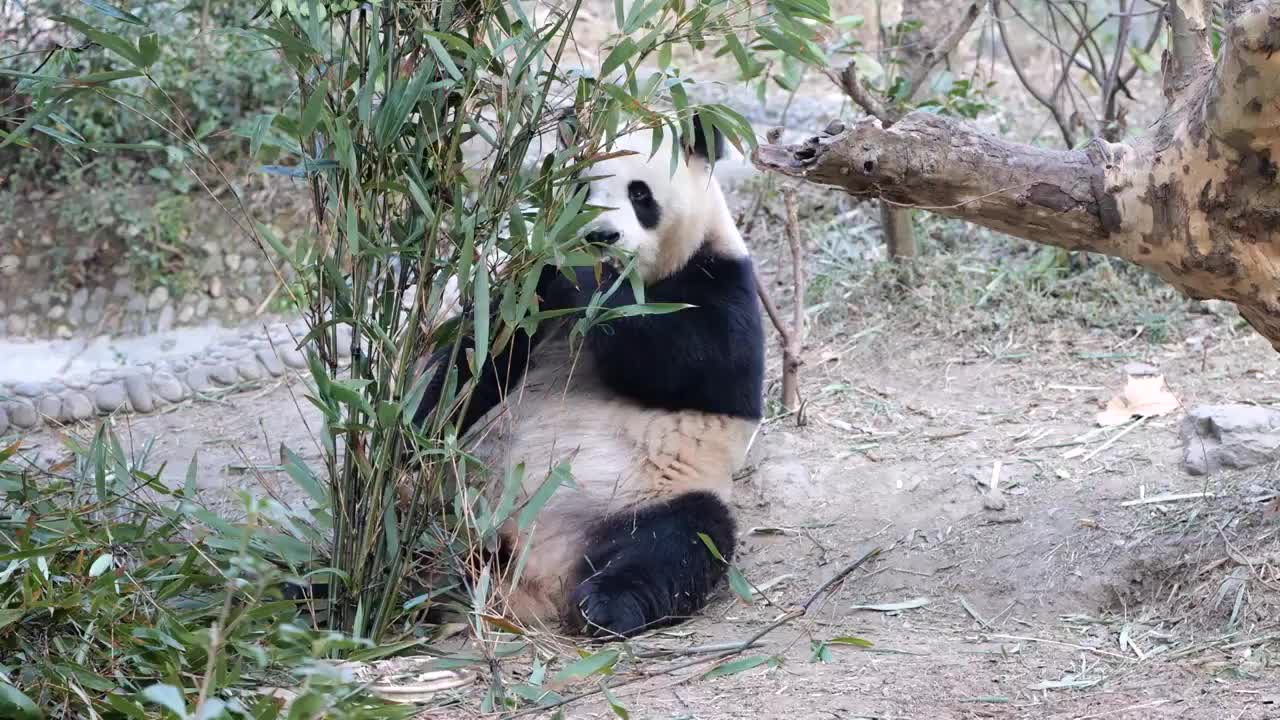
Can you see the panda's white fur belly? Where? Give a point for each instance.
(622, 456)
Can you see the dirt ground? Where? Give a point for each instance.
(1065, 603)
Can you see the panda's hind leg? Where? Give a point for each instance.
(649, 568)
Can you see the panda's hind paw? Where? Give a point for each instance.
(606, 608)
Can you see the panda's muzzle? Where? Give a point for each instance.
(603, 237)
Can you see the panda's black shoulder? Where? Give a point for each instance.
(708, 357)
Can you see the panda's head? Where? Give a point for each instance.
(662, 217)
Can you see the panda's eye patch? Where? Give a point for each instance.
(642, 202)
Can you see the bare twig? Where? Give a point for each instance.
(793, 341)
(847, 80)
(943, 48)
(1049, 103)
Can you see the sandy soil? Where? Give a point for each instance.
(1065, 603)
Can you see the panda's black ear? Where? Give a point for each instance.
(697, 144)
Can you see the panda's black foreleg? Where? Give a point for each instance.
(501, 370)
(650, 568)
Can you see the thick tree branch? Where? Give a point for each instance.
(1196, 199)
(1189, 50)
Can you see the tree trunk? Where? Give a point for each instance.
(899, 231)
(1195, 199)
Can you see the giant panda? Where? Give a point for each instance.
(654, 413)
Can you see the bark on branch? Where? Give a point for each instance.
(1196, 199)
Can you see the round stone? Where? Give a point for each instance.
(215, 287)
(249, 369)
(242, 306)
(185, 314)
(109, 397)
(140, 397)
(165, 321)
(9, 264)
(293, 359)
(92, 314)
(158, 297)
(250, 265)
(22, 414)
(233, 261)
(27, 389)
(202, 307)
(50, 407)
(224, 374)
(167, 387)
(56, 312)
(270, 361)
(198, 379)
(76, 406)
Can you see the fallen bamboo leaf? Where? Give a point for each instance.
(1145, 396)
(895, 607)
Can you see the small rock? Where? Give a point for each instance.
(22, 414)
(76, 406)
(993, 500)
(1138, 369)
(242, 306)
(250, 265)
(167, 387)
(122, 288)
(202, 307)
(56, 312)
(835, 127)
(212, 265)
(109, 397)
(27, 389)
(270, 361)
(17, 325)
(158, 297)
(249, 369)
(50, 407)
(198, 379)
(139, 392)
(293, 359)
(165, 321)
(224, 374)
(185, 314)
(9, 264)
(233, 261)
(1229, 436)
(215, 287)
(63, 332)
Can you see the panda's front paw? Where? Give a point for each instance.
(605, 607)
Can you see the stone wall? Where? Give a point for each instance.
(55, 284)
